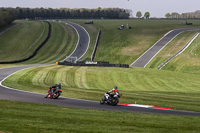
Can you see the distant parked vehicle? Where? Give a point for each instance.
(89, 22)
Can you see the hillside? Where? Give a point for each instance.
(124, 46)
(176, 86)
(138, 82)
(21, 41)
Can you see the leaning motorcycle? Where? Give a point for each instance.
(55, 94)
(112, 100)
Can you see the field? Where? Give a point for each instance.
(175, 86)
(22, 40)
(125, 46)
(188, 61)
(18, 46)
(39, 118)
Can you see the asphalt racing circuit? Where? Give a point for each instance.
(145, 58)
(83, 41)
(24, 96)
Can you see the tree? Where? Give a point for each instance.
(175, 15)
(139, 14)
(168, 15)
(147, 15)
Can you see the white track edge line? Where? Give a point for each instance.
(30, 91)
(152, 46)
(79, 39)
(162, 48)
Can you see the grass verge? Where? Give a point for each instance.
(21, 41)
(188, 61)
(20, 117)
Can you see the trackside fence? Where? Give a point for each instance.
(96, 45)
(95, 64)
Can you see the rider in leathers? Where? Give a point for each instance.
(53, 88)
(113, 91)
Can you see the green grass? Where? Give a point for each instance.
(125, 46)
(169, 50)
(22, 40)
(187, 62)
(61, 44)
(146, 86)
(178, 88)
(49, 118)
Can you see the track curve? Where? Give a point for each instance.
(24, 96)
(83, 41)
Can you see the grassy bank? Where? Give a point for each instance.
(22, 40)
(125, 46)
(146, 86)
(188, 61)
(61, 44)
(49, 118)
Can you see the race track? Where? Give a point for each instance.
(145, 58)
(83, 41)
(17, 95)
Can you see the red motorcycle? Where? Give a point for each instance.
(53, 93)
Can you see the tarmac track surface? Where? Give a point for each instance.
(23, 96)
(83, 42)
(145, 58)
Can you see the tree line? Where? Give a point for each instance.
(189, 15)
(7, 16)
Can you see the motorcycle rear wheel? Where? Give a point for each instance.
(115, 102)
(55, 96)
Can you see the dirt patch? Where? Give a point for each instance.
(91, 28)
(134, 50)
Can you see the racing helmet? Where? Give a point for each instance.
(59, 84)
(115, 87)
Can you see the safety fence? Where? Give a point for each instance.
(96, 45)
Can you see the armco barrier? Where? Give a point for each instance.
(95, 64)
(35, 52)
(96, 45)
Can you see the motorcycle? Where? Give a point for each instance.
(112, 100)
(54, 93)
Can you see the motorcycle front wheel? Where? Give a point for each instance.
(102, 101)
